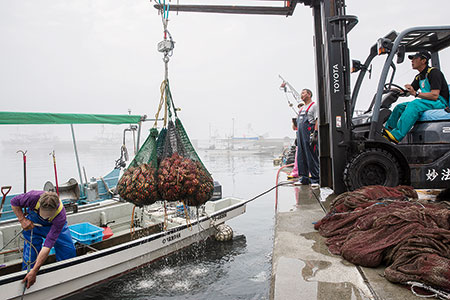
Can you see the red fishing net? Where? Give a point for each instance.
(381, 225)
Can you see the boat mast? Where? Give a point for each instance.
(78, 160)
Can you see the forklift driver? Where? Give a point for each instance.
(46, 219)
(434, 94)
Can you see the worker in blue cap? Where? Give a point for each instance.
(433, 94)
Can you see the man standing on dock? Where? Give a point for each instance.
(308, 154)
(46, 219)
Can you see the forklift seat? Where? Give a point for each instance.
(434, 115)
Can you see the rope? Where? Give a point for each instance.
(166, 222)
(200, 227)
(12, 240)
(188, 219)
(170, 99)
(29, 262)
(269, 190)
(166, 108)
(276, 182)
(436, 293)
(161, 101)
(213, 223)
(132, 229)
(290, 104)
(17, 250)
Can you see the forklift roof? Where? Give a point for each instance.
(433, 39)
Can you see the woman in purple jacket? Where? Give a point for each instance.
(47, 210)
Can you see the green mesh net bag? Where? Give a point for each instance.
(167, 166)
(181, 174)
(138, 183)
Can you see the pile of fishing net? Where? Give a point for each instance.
(167, 167)
(380, 225)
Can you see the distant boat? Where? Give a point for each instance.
(246, 138)
(251, 145)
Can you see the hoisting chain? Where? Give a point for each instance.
(166, 47)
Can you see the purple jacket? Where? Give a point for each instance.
(30, 199)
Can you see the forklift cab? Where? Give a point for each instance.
(422, 158)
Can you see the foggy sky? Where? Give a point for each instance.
(100, 56)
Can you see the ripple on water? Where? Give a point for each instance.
(260, 277)
(183, 285)
(146, 284)
(141, 285)
(198, 271)
(165, 272)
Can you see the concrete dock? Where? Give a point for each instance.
(302, 266)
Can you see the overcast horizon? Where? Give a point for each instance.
(100, 56)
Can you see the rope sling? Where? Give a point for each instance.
(166, 167)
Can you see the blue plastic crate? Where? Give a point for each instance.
(86, 233)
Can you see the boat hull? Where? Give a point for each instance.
(67, 277)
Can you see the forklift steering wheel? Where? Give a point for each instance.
(403, 91)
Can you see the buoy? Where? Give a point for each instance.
(107, 233)
(224, 233)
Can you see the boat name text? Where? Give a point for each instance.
(219, 216)
(171, 238)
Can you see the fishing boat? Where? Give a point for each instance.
(125, 237)
(140, 236)
(73, 193)
(96, 190)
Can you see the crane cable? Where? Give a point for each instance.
(166, 97)
(167, 49)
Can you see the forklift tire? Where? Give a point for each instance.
(373, 166)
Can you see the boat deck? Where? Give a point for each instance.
(303, 268)
(141, 236)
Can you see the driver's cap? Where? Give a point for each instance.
(422, 54)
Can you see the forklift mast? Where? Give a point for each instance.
(331, 26)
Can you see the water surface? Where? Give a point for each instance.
(239, 269)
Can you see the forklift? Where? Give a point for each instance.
(353, 152)
(422, 159)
